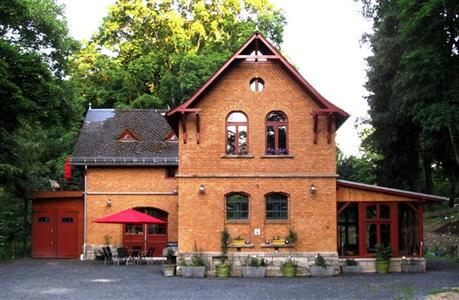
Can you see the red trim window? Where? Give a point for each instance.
(237, 133)
(276, 133)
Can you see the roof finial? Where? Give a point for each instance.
(90, 105)
(256, 26)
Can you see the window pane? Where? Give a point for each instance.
(243, 149)
(270, 140)
(134, 229)
(157, 229)
(385, 234)
(408, 230)
(371, 212)
(282, 140)
(237, 117)
(384, 212)
(371, 238)
(237, 207)
(276, 207)
(348, 244)
(231, 134)
(276, 116)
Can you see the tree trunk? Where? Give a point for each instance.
(454, 142)
(427, 166)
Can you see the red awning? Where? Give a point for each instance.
(130, 216)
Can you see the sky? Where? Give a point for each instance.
(322, 38)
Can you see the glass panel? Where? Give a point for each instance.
(276, 116)
(352, 213)
(157, 229)
(270, 140)
(67, 220)
(384, 212)
(243, 148)
(134, 229)
(277, 207)
(237, 117)
(348, 231)
(282, 140)
(408, 230)
(256, 84)
(371, 237)
(43, 220)
(231, 146)
(371, 212)
(385, 234)
(237, 207)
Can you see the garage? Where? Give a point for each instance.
(57, 224)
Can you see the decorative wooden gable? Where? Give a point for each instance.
(258, 49)
(127, 136)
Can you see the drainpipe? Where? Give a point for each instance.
(85, 206)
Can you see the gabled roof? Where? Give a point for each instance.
(99, 144)
(258, 41)
(386, 190)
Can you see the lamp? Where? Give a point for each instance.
(109, 202)
(202, 189)
(313, 189)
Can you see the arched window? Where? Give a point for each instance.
(276, 133)
(237, 206)
(237, 133)
(276, 206)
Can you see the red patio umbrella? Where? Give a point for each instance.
(131, 217)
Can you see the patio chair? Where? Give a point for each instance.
(108, 257)
(122, 256)
(149, 255)
(137, 254)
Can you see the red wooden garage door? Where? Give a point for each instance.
(55, 233)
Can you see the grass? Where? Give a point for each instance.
(440, 291)
(404, 293)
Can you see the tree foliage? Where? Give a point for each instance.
(37, 103)
(413, 79)
(157, 53)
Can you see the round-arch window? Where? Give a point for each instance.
(257, 84)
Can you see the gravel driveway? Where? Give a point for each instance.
(67, 279)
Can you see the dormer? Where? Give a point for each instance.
(128, 135)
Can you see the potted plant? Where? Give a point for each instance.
(321, 268)
(238, 241)
(223, 269)
(169, 265)
(197, 267)
(351, 266)
(411, 265)
(254, 268)
(383, 255)
(278, 241)
(291, 237)
(288, 268)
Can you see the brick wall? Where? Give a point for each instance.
(202, 216)
(124, 180)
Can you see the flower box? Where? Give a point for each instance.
(318, 271)
(351, 269)
(253, 272)
(238, 242)
(412, 268)
(190, 271)
(278, 242)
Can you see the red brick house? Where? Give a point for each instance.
(252, 151)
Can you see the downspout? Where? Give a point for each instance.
(85, 208)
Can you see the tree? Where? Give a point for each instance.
(413, 79)
(157, 53)
(361, 168)
(37, 103)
